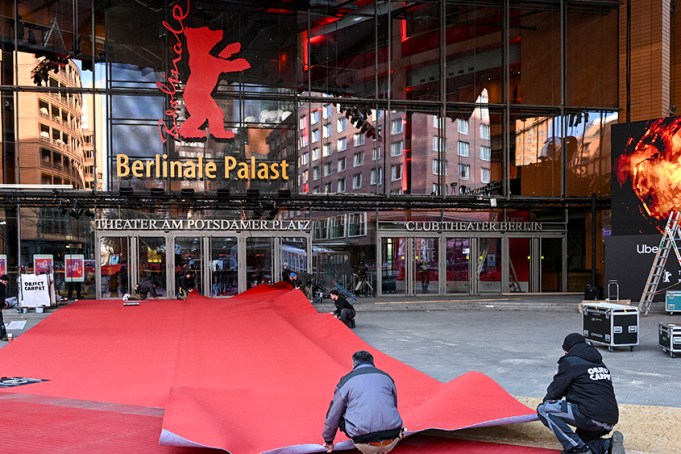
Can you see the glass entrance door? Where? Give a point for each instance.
(259, 261)
(520, 262)
(114, 273)
(224, 266)
(393, 265)
(294, 254)
(535, 264)
(151, 264)
(189, 262)
(551, 264)
(410, 265)
(426, 277)
(458, 263)
(489, 265)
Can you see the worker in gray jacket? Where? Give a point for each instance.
(364, 407)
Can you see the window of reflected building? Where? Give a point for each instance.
(579, 143)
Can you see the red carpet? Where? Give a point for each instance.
(250, 374)
(35, 425)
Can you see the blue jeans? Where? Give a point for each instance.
(559, 415)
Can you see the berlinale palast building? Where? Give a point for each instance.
(413, 148)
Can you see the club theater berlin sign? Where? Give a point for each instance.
(206, 64)
(467, 226)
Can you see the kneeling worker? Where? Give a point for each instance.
(344, 312)
(290, 277)
(142, 291)
(185, 286)
(582, 395)
(364, 407)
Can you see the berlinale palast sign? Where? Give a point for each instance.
(162, 167)
(207, 59)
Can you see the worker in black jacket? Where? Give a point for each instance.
(185, 286)
(290, 277)
(582, 395)
(345, 312)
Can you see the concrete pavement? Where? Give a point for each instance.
(517, 348)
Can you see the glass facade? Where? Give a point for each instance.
(361, 117)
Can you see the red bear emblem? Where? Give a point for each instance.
(205, 70)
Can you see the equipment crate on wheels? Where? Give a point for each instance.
(670, 338)
(672, 301)
(614, 325)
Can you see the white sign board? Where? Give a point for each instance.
(34, 290)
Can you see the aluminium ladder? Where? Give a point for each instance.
(669, 239)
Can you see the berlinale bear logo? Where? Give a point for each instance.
(206, 69)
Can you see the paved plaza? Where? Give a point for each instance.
(518, 349)
(445, 337)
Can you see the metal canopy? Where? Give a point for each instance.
(315, 202)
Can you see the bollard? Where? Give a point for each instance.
(9, 337)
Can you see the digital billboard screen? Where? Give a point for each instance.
(646, 175)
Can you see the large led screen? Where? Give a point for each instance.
(646, 175)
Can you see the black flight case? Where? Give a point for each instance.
(670, 338)
(614, 325)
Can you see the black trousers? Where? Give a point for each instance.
(73, 285)
(347, 316)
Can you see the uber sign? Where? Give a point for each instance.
(628, 259)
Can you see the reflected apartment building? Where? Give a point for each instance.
(52, 145)
(338, 156)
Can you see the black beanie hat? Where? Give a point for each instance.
(571, 340)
